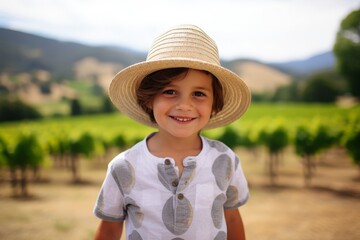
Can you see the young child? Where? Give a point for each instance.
(176, 184)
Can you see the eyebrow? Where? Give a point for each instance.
(203, 88)
(196, 87)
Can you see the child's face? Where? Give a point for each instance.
(184, 107)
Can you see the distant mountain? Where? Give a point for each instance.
(258, 76)
(23, 52)
(302, 68)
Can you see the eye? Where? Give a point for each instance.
(199, 94)
(169, 92)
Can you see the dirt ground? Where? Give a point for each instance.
(327, 210)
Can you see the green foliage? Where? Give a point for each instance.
(304, 142)
(58, 132)
(59, 144)
(351, 138)
(275, 138)
(248, 139)
(75, 107)
(352, 145)
(101, 145)
(307, 125)
(28, 152)
(347, 50)
(119, 141)
(107, 107)
(314, 137)
(16, 110)
(5, 154)
(261, 97)
(97, 90)
(288, 93)
(230, 137)
(84, 145)
(326, 136)
(321, 88)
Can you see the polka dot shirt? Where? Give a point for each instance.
(147, 192)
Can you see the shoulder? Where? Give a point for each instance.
(218, 146)
(127, 156)
(219, 150)
(123, 168)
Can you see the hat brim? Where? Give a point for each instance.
(122, 90)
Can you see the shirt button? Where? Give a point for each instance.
(180, 196)
(175, 183)
(167, 162)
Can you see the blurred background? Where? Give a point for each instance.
(299, 142)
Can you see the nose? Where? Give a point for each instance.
(184, 104)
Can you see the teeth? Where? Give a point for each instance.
(182, 119)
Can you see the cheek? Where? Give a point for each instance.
(158, 104)
(206, 108)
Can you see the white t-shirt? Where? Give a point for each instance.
(146, 192)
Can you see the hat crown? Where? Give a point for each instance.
(184, 42)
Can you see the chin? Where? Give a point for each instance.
(184, 134)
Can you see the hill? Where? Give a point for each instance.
(38, 69)
(305, 67)
(259, 77)
(23, 52)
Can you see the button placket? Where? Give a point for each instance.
(188, 173)
(182, 212)
(171, 175)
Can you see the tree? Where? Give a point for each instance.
(16, 110)
(84, 145)
(76, 108)
(306, 148)
(275, 138)
(249, 140)
(230, 137)
(4, 153)
(28, 153)
(347, 50)
(119, 141)
(107, 107)
(309, 141)
(287, 93)
(59, 149)
(351, 139)
(352, 146)
(321, 88)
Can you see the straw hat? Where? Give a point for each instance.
(181, 46)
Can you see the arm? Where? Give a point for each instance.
(109, 230)
(235, 227)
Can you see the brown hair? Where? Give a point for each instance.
(153, 83)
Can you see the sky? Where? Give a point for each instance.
(264, 30)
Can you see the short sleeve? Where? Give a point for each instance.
(237, 192)
(109, 205)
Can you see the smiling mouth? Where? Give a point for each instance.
(182, 119)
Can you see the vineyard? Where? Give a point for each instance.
(307, 129)
(56, 166)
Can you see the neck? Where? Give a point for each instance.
(162, 142)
